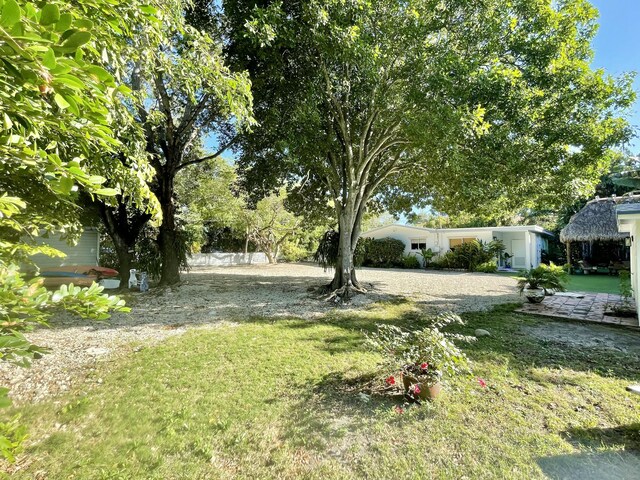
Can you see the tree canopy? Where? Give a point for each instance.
(474, 106)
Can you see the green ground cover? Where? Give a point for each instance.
(588, 283)
(281, 399)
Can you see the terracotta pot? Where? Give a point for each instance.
(427, 392)
(534, 295)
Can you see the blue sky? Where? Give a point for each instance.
(617, 46)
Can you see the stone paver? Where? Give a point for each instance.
(590, 308)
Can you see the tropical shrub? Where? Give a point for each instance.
(292, 252)
(427, 256)
(359, 256)
(384, 252)
(547, 277)
(428, 354)
(487, 267)
(410, 261)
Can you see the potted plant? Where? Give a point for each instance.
(422, 357)
(537, 282)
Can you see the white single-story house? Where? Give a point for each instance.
(523, 243)
(85, 252)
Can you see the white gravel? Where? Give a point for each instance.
(213, 296)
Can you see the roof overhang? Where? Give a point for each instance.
(627, 215)
(515, 228)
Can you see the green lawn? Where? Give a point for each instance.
(594, 283)
(280, 399)
(588, 283)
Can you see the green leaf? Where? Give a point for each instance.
(73, 106)
(65, 185)
(7, 121)
(66, 19)
(10, 13)
(77, 39)
(84, 23)
(101, 73)
(50, 14)
(107, 192)
(49, 59)
(60, 101)
(69, 81)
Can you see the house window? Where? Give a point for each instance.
(418, 244)
(454, 242)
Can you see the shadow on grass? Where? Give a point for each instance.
(627, 436)
(337, 411)
(607, 465)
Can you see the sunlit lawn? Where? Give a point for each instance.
(279, 399)
(594, 283)
(588, 283)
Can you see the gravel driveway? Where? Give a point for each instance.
(214, 296)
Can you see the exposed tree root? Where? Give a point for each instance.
(345, 293)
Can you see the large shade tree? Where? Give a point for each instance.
(60, 87)
(184, 93)
(188, 93)
(476, 106)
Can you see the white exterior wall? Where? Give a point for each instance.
(485, 236)
(531, 242)
(405, 234)
(631, 224)
(85, 252)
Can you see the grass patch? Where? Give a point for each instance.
(594, 283)
(587, 283)
(275, 399)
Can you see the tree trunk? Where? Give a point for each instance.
(125, 262)
(123, 225)
(270, 257)
(168, 240)
(345, 283)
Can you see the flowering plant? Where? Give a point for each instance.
(426, 355)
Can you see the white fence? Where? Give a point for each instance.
(227, 259)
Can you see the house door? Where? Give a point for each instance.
(518, 251)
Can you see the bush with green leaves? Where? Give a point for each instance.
(427, 256)
(410, 261)
(467, 256)
(548, 277)
(428, 353)
(59, 104)
(487, 267)
(25, 303)
(384, 252)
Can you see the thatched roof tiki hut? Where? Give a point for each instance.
(596, 229)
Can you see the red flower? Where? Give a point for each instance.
(399, 409)
(416, 389)
(390, 381)
(424, 366)
(482, 383)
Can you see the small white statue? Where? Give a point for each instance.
(133, 280)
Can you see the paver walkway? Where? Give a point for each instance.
(590, 307)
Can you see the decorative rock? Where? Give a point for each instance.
(482, 333)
